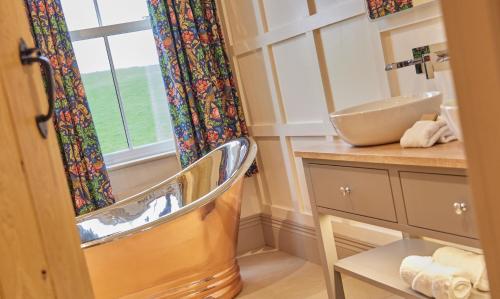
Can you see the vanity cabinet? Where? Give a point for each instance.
(428, 203)
(439, 202)
(420, 192)
(356, 190)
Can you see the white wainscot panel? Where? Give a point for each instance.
(300, 80)
(322, 4)
(250, 204)
(252, 73)
(300, 142)
(355, 62)
(132, 179)
(416, 35)
(274, 171)
(242, 19)
(281, 12)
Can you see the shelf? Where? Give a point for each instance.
(380, 266)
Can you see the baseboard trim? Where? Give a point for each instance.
(292, 237)
(250, 235)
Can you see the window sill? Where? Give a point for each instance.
(134, 162)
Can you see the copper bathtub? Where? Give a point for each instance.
(175, 240)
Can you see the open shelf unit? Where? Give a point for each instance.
(380, 267)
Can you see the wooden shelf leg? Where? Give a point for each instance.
(328, 251)
(339, 286)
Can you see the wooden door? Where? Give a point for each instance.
(40, 255)
(473, 33)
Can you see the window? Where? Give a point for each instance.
(117, 57)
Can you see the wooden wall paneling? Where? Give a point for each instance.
(392, 77)
(474, 45)
(321, 5)
(275, 18)
(354, 61)
(317, 128)
(418, 14)
(331, 14)
(255, 87)
(299, 80)
(42, 163)
(402, 32)
(273, 83)
(405, 38)
(255, 192)
(241, 15)
(283, 12)
(323, 69)
(291, 171)
(270, 66)
(317, 64)
(275, 171)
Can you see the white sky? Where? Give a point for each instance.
(127, 50)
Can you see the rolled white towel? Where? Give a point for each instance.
(412, 265)
(470, 264)
(441, 282)
(425, 133)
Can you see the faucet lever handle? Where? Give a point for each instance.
(404, 63)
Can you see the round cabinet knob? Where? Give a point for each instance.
(348, 190)
(460, 207)
(345, 190)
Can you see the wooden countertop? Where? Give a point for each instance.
(450, 155)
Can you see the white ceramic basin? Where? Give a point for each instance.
(383, 121)
(450, 113)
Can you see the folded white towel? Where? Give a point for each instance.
(441, 282)
(425, 133)
(412, 265)
(471, 265)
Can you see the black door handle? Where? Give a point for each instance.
(30, 56)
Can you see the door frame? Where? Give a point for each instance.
(473, 34)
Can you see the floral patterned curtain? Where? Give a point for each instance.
(381, 8)
(204, 104)
(83, 161)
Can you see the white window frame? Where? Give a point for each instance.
(132, 153)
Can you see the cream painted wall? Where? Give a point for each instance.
(296, 61)
(132, 178)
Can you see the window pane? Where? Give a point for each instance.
(122, 11)
(98, 82)
(141, 87)
(79, 14)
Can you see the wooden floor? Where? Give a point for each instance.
(269, 273)
(272, 274)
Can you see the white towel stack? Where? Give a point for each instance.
(434, 280)
(425, 133)
(451, 273)
(471, 265)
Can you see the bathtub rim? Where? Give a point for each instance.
(206, 199)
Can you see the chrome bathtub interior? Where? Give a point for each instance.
(193, 187)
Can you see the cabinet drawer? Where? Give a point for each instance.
(431, 202)
(361, 191)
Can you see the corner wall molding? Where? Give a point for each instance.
(292, 237)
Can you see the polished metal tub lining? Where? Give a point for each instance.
(193, 187)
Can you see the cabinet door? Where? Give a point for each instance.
(40, 255)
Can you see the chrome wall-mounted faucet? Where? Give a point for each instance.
(404, 63)
(427, 59)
